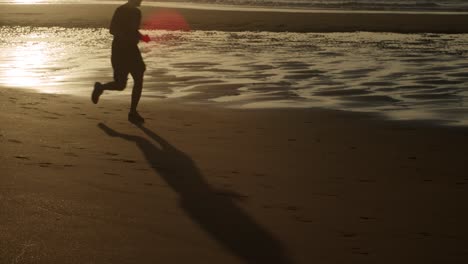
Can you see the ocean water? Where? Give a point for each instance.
(406, 5)
(401, 76)
(436, 5)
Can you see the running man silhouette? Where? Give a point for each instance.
(126, 57)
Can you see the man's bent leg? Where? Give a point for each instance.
(120, 80)
(119, 84)
(114, 86)
(99, 89)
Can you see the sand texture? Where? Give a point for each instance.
(201, 184)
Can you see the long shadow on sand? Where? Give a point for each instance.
(216, 214)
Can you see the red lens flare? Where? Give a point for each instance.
(166, 19)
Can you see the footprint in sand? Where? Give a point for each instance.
(424, 234)
(359, 251)
(302, 219)
(124, 160)
(79, 147)
(111, 173)
(366, 180)
(348, 234)
(366, 218)
(52, 113)
(51, 147)
(50, 117)
(29, 108)
(231, 194)
(44, 164)
(291, 208)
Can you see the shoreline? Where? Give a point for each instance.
(72, 15)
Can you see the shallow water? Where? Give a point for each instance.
(402, 76)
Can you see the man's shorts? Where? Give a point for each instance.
(126, 58)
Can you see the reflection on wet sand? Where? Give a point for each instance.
(403, 76)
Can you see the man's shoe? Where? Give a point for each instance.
(136, 118)
(97, 91)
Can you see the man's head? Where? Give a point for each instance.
(135, 2)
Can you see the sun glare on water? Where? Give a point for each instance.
(22, 64)
(28, 66)
(53, 60)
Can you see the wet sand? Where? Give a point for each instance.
(401, 76)
(76, 15)
(198, 184)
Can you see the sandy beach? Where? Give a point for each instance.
(202, 182)
(76, 15)
(207, 185)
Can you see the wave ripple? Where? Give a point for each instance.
(403, 76)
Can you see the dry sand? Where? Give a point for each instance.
(71, 15)
(198, 184)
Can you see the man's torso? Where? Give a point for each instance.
(125, 24)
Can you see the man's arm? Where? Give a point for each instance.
(141, 37)
(135, 22)
(113, 25)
